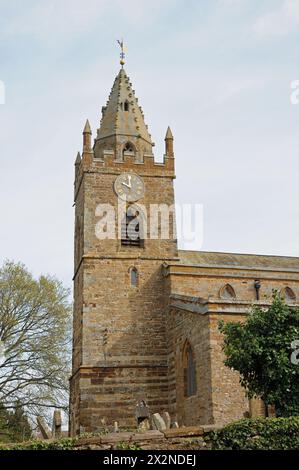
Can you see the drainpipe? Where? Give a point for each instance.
(257, 286)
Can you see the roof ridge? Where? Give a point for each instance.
(239, 254)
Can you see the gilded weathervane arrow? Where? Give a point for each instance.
(123, 50)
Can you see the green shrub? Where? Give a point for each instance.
(128, 446)
(257, 434)
(61, 444)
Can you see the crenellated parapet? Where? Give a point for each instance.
(112, 160)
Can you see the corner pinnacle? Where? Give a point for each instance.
(87, 128)
(168, 134)
(78, 159)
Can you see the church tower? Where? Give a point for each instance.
(120, 294)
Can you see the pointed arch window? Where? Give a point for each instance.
(190, 385)
(288, 294)
(134, 277)
(126, 105)
(132, 229)
(227, 292)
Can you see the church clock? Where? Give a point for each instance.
(129, 187)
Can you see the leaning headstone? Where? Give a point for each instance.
(115, 427)
(174, 425)
(56, 428)
(166, 418)
(43, 427)
(158, 422)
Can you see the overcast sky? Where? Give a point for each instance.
(219, 72)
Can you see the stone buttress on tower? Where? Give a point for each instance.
(120, 296)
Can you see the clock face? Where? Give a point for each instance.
(129, 187)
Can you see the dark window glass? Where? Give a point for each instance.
(131, 231)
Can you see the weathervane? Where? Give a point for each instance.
(122, 54)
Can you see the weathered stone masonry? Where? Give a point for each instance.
(133, 343)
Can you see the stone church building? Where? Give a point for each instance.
(145, 312)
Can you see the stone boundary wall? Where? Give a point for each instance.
(186, 438)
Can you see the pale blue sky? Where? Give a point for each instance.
(219, 72)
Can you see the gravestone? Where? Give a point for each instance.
(158, 422)
(44, 428)
(56, 427)
(166, 418)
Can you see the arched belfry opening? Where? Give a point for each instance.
(128, 147)
(132, 228)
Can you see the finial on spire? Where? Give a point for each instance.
(122, 54)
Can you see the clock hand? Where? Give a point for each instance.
(129, 184)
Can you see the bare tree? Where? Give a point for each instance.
(35, 326)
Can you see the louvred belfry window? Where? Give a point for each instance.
(131, 230)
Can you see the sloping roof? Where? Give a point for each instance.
(205, 258)
(117, 121)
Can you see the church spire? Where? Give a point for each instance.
(123, 121)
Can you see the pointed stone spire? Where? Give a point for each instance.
(169, 143)
(78, 159)
(87, 137)
(122, 119)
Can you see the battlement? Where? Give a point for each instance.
(129, 160)
(109, 164)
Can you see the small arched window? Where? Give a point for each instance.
(227, 292)
(128, 147)
(134, 277)
(126, 106)
(190, 386)
(288, 294)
